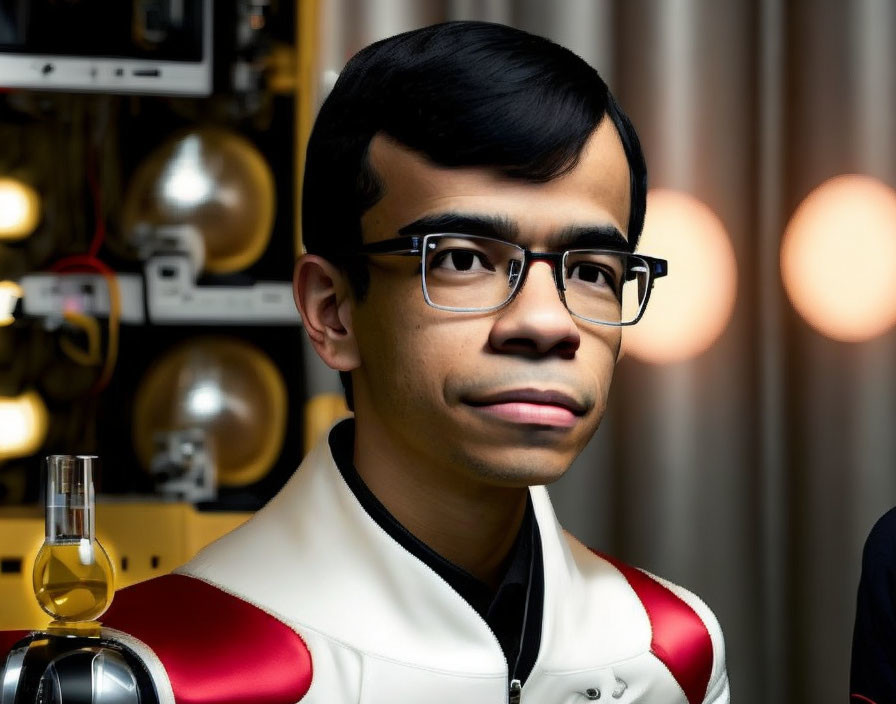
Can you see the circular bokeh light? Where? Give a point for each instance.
(838, 258)
(23, 425)
(19, 209)
(10, 294)
(691, 306)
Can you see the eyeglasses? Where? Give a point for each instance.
(470, 273)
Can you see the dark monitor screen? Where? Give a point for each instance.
(45, 44)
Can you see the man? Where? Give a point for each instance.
(472, 201)
(873, 668)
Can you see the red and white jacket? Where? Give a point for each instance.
(311, 601)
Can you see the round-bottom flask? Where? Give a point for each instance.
(73, 578)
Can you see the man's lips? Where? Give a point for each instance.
(531, 407)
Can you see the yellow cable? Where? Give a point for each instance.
(91, 328)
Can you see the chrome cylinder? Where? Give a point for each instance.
(54, 669)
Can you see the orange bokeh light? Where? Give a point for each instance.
(690, 307)
(838, 258)
(23, 425)
(10, 293)
(19, 209)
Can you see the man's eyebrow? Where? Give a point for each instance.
(463, 224)
(591, 237)
(501, 227)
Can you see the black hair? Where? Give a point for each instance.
(462, 94)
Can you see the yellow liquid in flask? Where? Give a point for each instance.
(73, 580)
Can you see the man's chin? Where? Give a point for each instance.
(518, 466)
(522, 453)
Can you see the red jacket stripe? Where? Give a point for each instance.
(680, 639)
(216, 648)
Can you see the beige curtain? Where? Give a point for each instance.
(752, 473)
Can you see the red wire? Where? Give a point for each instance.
(81, 261)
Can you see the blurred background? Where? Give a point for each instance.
(148, 224)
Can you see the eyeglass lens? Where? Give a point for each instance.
(470, 273)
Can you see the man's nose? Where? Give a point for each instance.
(536, 322)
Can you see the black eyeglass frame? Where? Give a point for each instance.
(415, 245)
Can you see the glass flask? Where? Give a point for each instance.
(73, 578)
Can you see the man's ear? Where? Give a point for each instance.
(322, 295)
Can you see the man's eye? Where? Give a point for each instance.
(591, 274)
(462, 260)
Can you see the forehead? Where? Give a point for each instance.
(594, 193)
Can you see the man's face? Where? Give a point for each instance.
(507, 397)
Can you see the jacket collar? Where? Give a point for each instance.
(314, 558)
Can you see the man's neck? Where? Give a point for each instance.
(469, 523)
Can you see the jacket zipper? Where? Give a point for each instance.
(515, 692)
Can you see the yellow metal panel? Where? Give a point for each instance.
(143, 540)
